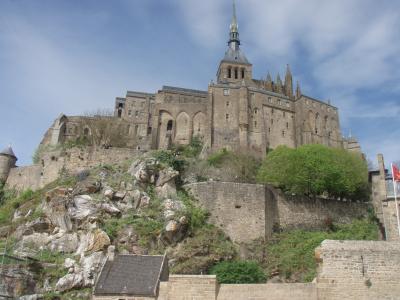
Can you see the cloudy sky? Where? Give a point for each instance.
(76, 56)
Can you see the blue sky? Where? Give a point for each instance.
(77, 56)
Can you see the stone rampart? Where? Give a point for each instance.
(358, 270)
(276, 291)
(70, 160)
(22, 178)
(249, 211)
(194, 287)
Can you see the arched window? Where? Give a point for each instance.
(169, 125)
(86, 132)
(255, 110)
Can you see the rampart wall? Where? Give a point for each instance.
(249, 211)
(358, 270)
(347, 270)
(71, 160)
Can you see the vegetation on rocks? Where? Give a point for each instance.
(315, 170)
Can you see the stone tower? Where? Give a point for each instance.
(234, 67)
(7, 161)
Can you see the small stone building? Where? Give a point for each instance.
(128, 277)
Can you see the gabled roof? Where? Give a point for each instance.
(135, 275)
(8, 151)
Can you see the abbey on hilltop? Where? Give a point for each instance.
(237, 112)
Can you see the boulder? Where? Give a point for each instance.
(144, 200)
(87, 186)
(168, 189)
(143, 170)
(109, 193)
(83, 207)
(69, 282)
(93, 241)
(91, 266)
(120, 195)
(69, 263)
(110, 208)
(170, 204)
(173, 232)
(166, 175)
(56, 210)
(65, 243)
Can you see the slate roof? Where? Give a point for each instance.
(8, 151)
(236, 56)
(135, 275)
(184, 90)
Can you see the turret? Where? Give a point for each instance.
(268, 83)
(288, 83)
(7, 161)
(298, 90)
(278, 86)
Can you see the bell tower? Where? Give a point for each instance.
(234, 67)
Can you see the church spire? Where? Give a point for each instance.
(298, 90)
(234, 41)
(288, 82)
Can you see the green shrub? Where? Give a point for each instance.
(171, 159)
(239, 272)
(315, 170)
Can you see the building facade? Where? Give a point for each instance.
(236, 112)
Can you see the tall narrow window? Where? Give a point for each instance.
(169, 125)
(283, 133)
(287, 125)
(242, 73)
(236, 73)
(229, 72)
(227, 117)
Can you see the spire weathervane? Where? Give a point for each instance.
(234, 41)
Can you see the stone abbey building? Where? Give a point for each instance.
(236, 112)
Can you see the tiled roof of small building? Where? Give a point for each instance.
(8, 151)
(136, 275)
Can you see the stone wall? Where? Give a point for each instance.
(22, 178)
(302, 212)
(276, 291)
(249, 211)
(358, 270)
(71, 160)
(238, 209)
(193, 287)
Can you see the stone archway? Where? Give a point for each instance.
(182, 133)
(199, 125)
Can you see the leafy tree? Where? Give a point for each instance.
(239, 272)
(315, 170)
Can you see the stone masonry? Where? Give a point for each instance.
(249, 211)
